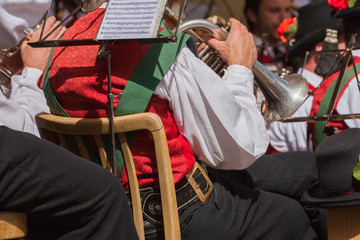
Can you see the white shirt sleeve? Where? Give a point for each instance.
(218, 116)
(19, 106)
(349, 102)
(16, 15)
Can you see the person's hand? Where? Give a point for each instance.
(38, 57)
(238, 48)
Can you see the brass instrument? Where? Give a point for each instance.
(283, 95)
(10, 60)
(9, 65)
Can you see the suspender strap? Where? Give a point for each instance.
(144, 80)
(148, 74)
(142, 83)
(51, 100)
(324, 105)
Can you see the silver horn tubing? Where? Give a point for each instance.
(283, 95)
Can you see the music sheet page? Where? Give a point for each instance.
(131, 19)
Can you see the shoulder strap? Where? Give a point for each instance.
(144, 80)
(148, 74)
(51, 100)
(142, 83)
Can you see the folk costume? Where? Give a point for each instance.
(90, 92)
(302, 136)
(206, 118)
(60, 192)
(346, 102)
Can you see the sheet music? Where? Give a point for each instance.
(131, 19)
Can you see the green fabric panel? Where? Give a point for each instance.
(73, 147)
(70, 141)
(118, 153)
(51, 100)
(325, 102)
(144, 80)
(137, 92)
(148, 74)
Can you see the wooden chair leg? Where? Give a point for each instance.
(344, 223)
(12, 225)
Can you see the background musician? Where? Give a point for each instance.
(301, 136)
(263, 17)
(206, 118)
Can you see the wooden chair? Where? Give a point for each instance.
(13, 225)
(54, 128)
(344, 223)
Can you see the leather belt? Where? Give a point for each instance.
(195, 186)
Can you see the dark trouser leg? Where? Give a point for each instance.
(234, 211)
(66, 197)
(289, 174)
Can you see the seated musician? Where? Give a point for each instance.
(305, 136)
(206, 118)
(60, 192)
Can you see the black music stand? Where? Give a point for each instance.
(88, 6)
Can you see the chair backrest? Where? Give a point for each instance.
(13, 225)
(55, 128)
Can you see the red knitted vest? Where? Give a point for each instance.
(79, 81)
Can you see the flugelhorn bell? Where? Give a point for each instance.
(283, 95)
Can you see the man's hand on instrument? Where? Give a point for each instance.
(38, 57)
(238, 48)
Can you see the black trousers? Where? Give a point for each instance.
(65, 197)
(261, 202)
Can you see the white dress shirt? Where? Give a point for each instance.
(218, 116)
(349, 101)
(16, 15)
(20, 104)
(286, 137)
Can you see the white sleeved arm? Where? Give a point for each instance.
(218, 116)
(16, 15)
(25, 99)
(349, 102)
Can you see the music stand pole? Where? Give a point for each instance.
(107, 54)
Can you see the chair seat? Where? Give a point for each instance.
(12, 225)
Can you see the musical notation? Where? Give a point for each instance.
(129, 19)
